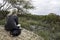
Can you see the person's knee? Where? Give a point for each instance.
(15, 32)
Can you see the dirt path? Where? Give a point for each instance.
(25, 35)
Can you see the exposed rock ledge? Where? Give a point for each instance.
(25, 35)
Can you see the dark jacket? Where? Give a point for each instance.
(11, 22)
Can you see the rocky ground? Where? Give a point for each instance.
(25, 35)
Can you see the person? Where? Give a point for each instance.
(12, 22)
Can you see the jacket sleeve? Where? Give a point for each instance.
(16, 20)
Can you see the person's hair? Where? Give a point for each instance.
(12, 11)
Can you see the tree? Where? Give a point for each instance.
(21, 5)
(51, 18)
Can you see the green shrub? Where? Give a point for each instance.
(2, 22)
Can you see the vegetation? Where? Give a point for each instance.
(47, 26)
(21, 5)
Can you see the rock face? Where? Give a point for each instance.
(25, 35)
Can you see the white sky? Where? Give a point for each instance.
(1, 1)
(44, 7)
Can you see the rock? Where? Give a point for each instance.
(25, 35)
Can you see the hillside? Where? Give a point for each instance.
(25, 35)
(46, 26)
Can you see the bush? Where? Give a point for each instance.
(3, 14)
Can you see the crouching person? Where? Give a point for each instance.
(12, 23)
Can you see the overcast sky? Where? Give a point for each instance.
(44, 7)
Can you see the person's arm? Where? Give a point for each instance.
(16, 20)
